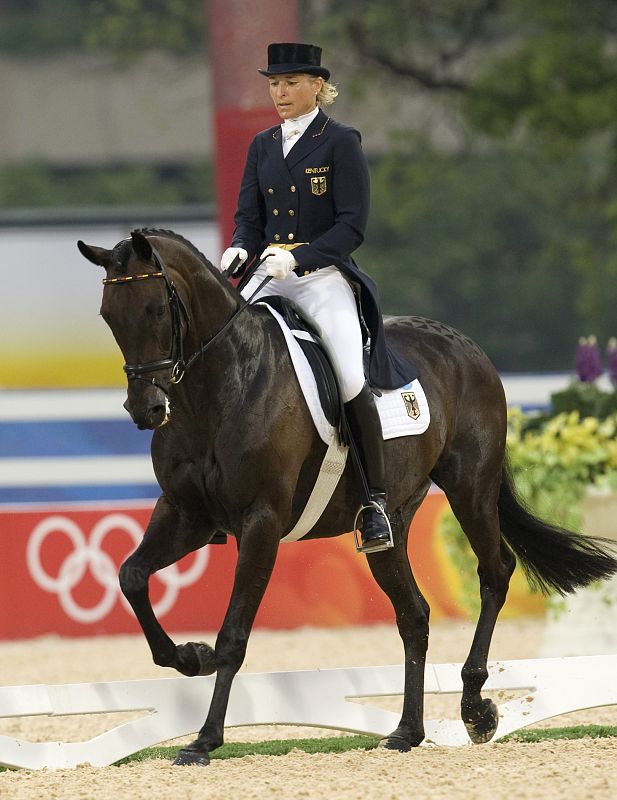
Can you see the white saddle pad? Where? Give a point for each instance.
(403, 412)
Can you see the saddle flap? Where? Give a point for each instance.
(312, 346)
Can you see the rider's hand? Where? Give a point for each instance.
(229, 255)
(279, 263)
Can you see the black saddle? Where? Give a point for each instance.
(317, 357)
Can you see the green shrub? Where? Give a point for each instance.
(586, 398)
(554, 460)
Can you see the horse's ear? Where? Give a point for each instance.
(141, 246)
(98, 255)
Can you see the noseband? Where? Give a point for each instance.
(178, 310)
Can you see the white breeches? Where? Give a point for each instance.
(328, 301)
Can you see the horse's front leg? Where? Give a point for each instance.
(167, 539)
(256, 557)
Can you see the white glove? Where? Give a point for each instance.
(279, 263)
(229, 255)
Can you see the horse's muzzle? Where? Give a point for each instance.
(148, 407)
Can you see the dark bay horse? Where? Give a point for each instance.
(235, 450)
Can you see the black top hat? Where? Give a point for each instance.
(287, 57)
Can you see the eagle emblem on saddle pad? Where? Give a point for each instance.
(411, 404)
(318, 184)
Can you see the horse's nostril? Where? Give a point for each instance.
(158, 415)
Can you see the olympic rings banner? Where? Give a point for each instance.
(59, 574)
(60, 565)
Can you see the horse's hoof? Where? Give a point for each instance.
(191, 758)
(482, 727)
(395, 743)
(205, 655)
(196, 658)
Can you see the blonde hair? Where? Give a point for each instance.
(327, 94)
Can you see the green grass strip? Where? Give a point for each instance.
(534, 735)
(274, 747)
(342, 744)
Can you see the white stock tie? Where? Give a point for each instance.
(289, 133)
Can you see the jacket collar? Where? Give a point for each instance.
(312, 137)
(317, 131)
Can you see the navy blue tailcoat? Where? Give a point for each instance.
(317, 200)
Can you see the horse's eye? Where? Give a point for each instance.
(157, 311)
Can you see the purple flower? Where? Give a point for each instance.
(588, 363)
(611, 359)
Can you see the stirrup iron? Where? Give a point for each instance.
(357, 534)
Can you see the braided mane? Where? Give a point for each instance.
(122, 251)
(176, 237)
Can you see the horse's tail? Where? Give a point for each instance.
(554, 559)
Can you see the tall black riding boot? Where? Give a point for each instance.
(365, 427)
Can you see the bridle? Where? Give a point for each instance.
(175, 360)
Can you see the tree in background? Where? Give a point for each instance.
(122, 30)
(130, 27)
(542, 71)
(511, 233)
(126, 27)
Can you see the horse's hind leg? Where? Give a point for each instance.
(475, 506)
(166, 541)
(392, 572)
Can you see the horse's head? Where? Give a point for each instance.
(148, 319)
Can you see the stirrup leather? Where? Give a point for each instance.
(357, 534)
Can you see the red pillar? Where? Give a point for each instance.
(239, 36)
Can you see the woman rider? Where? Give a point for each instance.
(303, 207)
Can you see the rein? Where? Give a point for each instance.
(175, 360)
(233, 318)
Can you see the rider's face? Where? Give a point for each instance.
(295, 94)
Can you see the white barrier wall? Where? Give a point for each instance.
(538, 689)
